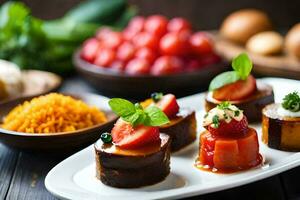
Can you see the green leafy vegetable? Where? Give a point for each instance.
(135, 114)
(223, 79)
(155, 116)
(49, 45)
(291, 102)
(242, 66)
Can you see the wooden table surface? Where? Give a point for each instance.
(22, 174)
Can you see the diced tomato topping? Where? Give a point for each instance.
(229, 154)
(168, 104)
(236, 91)
(126, 136)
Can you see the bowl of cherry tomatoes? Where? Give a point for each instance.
(151, 54)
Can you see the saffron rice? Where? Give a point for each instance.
(52, 113)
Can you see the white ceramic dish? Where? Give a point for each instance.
(74, 178)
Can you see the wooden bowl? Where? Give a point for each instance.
(36, 83)
(54, 142)
(281, 65)
(113, 83)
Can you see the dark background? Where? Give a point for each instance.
(205, 14)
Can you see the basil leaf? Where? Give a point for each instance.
(224, 79)
(122, 107)
(156, 117)
(242, 65)
(132, 119)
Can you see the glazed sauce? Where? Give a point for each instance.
(199, 165)
(144, 150)
(228, 155)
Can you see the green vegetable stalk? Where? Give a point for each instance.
(48, 45)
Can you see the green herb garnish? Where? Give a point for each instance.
(135, 114)
(156, 96)
(224, 105)
(242, 67)
(216, 121)
(291, 102)
(236, 113)
(106, 137)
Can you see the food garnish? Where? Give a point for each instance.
(156, 96)
(225, 119)
(106, 137)
(52, 113)
(291, 102)
(242, 66)
(136, 115)
(137, 126)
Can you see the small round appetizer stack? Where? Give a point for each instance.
(182, 125)
(281, 124)
(240, 88)
(228, 144)
(135, 153)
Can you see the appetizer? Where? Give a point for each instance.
(151, 46)
(52, 113)
(135, 153)
(227, 144)
(182, 125)
(11, 82)
(281, 124)
(240, 88)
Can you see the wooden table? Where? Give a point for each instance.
(22, 174)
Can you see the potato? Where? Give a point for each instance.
(292, 41)
(241, 25)
(265, 43)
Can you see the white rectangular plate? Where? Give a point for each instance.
(74, 178)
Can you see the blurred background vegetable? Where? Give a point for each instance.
(48, 45)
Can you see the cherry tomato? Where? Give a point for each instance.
(175, 43)
(135, 26)
(105, 57)
(193, 65)
(201, 44)
(156, 24)
(113, 40)
(209, 59)
(167, 65)
(146, 53)
(103, 32)
(145, 39)
(138, 66)
(125, 52)
(89, 49)
(137, 23)
(118, 65)
(178, 24)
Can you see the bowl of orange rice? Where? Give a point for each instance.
(55, 122)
